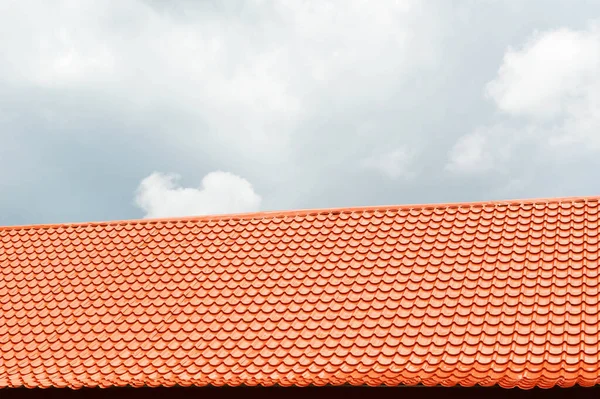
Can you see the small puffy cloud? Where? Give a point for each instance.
(394, 164)
(470, 154)
(486, 149)
(159, 195)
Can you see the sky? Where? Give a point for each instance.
(113, 110)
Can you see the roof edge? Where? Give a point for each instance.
(309, 211)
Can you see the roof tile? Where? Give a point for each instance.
(485, 293)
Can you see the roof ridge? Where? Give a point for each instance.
(310, 211)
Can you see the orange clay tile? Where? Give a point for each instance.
(503, 293)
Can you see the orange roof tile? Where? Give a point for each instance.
(501, 293)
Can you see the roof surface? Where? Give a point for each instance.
(482, 293)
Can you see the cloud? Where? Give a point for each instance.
(550, 90)
(470, 154)
(244, 75)
(553, 81)
(487, 149)
(271, 87)
(159, 195)
(292, 94)
(550, 73)
(394, 164)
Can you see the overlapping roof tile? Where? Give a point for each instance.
(501, 293)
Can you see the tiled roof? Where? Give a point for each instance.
(481, 293)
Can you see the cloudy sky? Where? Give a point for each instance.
(129, 109)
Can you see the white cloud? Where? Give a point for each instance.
(159, 195)
(394, 164)
(470, 154)
(548, 74)
(550, 87)
(486, 149)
